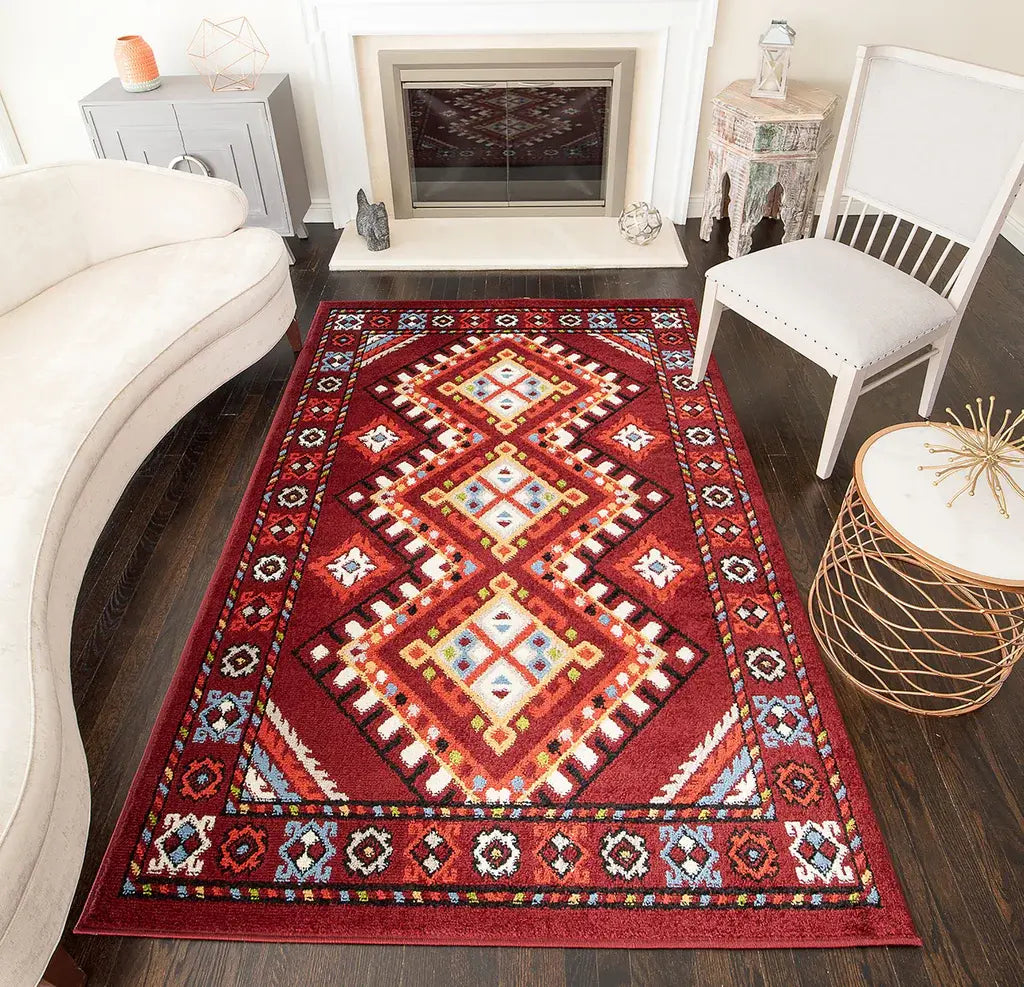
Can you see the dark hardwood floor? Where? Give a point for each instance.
(948, 793)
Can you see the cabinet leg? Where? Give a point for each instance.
(753, 183)
(743, 218)
(812, 202)
(736, 193)
(794, 221)
(300, 231)
(62, 971)
(798, 190)
(294, 336)
(741, 237)
(712, 194)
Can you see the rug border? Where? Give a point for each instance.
(122, 840)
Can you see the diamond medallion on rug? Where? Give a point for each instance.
(502, 649)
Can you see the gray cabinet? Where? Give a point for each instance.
(250, 138)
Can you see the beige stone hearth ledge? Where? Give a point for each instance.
(506, 243)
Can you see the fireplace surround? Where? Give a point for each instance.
(670, 37)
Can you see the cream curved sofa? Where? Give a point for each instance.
(127, 294)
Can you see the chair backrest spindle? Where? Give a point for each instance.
(891, 237)
(906, 246)
(860, 223)
(921, 256)
(874, 231)
(933, 145)
(938, 264)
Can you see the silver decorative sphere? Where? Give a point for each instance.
(640, 223)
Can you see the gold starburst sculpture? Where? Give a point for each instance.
(981, 453)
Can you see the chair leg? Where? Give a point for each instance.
(844, 398)
(936, 367)
(710, 314)
(294, 337)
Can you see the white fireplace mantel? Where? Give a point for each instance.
(683, 29)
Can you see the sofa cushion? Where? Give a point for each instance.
(68, 358)
(59, 219)
(67, 352)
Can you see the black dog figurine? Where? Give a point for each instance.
(372, 223)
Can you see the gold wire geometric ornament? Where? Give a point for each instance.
(229, 54)
(981, 453)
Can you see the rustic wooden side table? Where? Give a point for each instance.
(918, 603)
(761, 144)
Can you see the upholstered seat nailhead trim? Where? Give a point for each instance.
(818, 342)
(779, 319)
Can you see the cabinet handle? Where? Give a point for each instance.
(189, 157)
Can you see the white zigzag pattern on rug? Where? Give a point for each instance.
(260, 788)
(740, 791)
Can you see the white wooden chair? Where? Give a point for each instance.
(932, 150)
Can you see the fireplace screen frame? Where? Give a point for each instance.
(613, 67)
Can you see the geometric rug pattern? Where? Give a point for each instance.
(502, 648)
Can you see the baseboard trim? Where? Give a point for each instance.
(319, 211)
(1013, 230)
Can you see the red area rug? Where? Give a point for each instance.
(503, 648)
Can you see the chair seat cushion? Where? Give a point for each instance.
(820, 294)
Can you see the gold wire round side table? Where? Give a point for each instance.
(918, 603)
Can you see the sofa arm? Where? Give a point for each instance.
(126, 207)
(60, 219)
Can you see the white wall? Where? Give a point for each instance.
(53, 53)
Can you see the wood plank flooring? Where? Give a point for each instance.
(948, 793)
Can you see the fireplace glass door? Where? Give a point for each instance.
(515, 143)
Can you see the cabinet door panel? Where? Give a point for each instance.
(147, 133)
(233, 140)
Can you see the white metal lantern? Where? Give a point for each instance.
(773, 71)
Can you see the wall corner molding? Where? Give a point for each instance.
(319, 211)
(1013, 229)
(11, 154)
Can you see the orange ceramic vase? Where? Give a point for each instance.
(135, 64)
